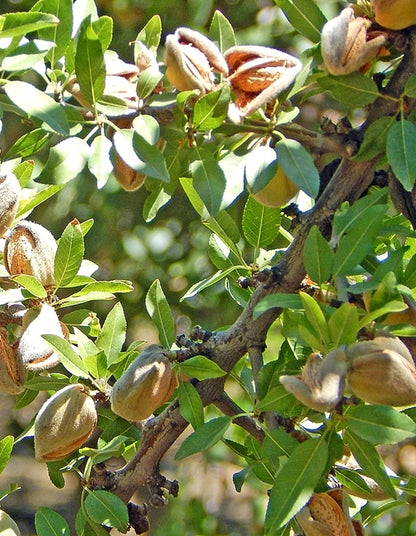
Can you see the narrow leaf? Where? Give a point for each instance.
(201, 368)
(369, 460)
(67, 355)
(260, 224)
(36, 103)
(190, 404)
(6, 447)
(31, 284)
(159, 311)
(209, 182)
(222, 32)
(19, 24)
(305, 16)
(281, 300)
(203, 437)
(401, 152)
(343, 325)
(380, 425)
(295, 483)
(317, 256)
(316, 317)
(60, 34)
(113, 334)
(69, 254)
(89, 63)
(299, 166)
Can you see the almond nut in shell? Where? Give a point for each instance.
(30, 249)
(64, 423)
(148, 383)
(12, 370)
(9, 200)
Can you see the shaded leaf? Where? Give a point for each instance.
(354, 89)
(6, 447)
(260, 224)
(401, 152)
(107, 509)
(89, 63)
(50, 523)
(305, 16)
(317, 256)
(113, 334)
(190, 404)
(298, 165)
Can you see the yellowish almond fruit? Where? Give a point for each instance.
(12, 370)
(277, 192)
(146, 385)
(64, 423)
(395, 14)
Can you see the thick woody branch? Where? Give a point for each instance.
(348, 183)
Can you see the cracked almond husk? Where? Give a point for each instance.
(395, 14)
(8, 527)
(348, 44)
(321, 383)
(30, 249)
(146, 385)
(9, 200)
(324, 516)
(64, 423)
(258, 75)
(191, 60)
(32, 349)
(13, 373)
(382, 371)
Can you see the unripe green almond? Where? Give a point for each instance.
(148, 383)
(33, 350)
(9, 200)
(8, 526)
(64, 423)
(12, 370)
(30, 249)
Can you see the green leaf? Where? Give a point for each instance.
(6, 447)
(19, 24)
(66, 160)
(298, 165)
(380, 425)
(23, 172)
(190, 404)
(358, 242)
(50, 523)
(209, 281)
(343, 325)
(210, 110)
(28, 144)
(209, 182)
(47, 383)
(69, 254)
(281, 300)
(99, 162)
(201, 368)
(260, 167)
(147, 81)
(305, 16)
(410, 86)
(149, 35)
(103, 28)
(260, 224)
(87, 527)
(89, 63)
(31, 284)
(155, 165)
(204, 437)
(60, 34)
(36, 103)
(159, 311)
(369, 460)
(316, 317)
(27, 205)
(401, 152)
(295, 483)
(354, 89)
(375, 136)
(317, 256)
(67, 355)
(98, 290)
(107, 509)
(222, 32)
(113, 334)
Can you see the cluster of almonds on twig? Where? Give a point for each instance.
(379, 371)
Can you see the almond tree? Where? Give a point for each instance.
(323, 249)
